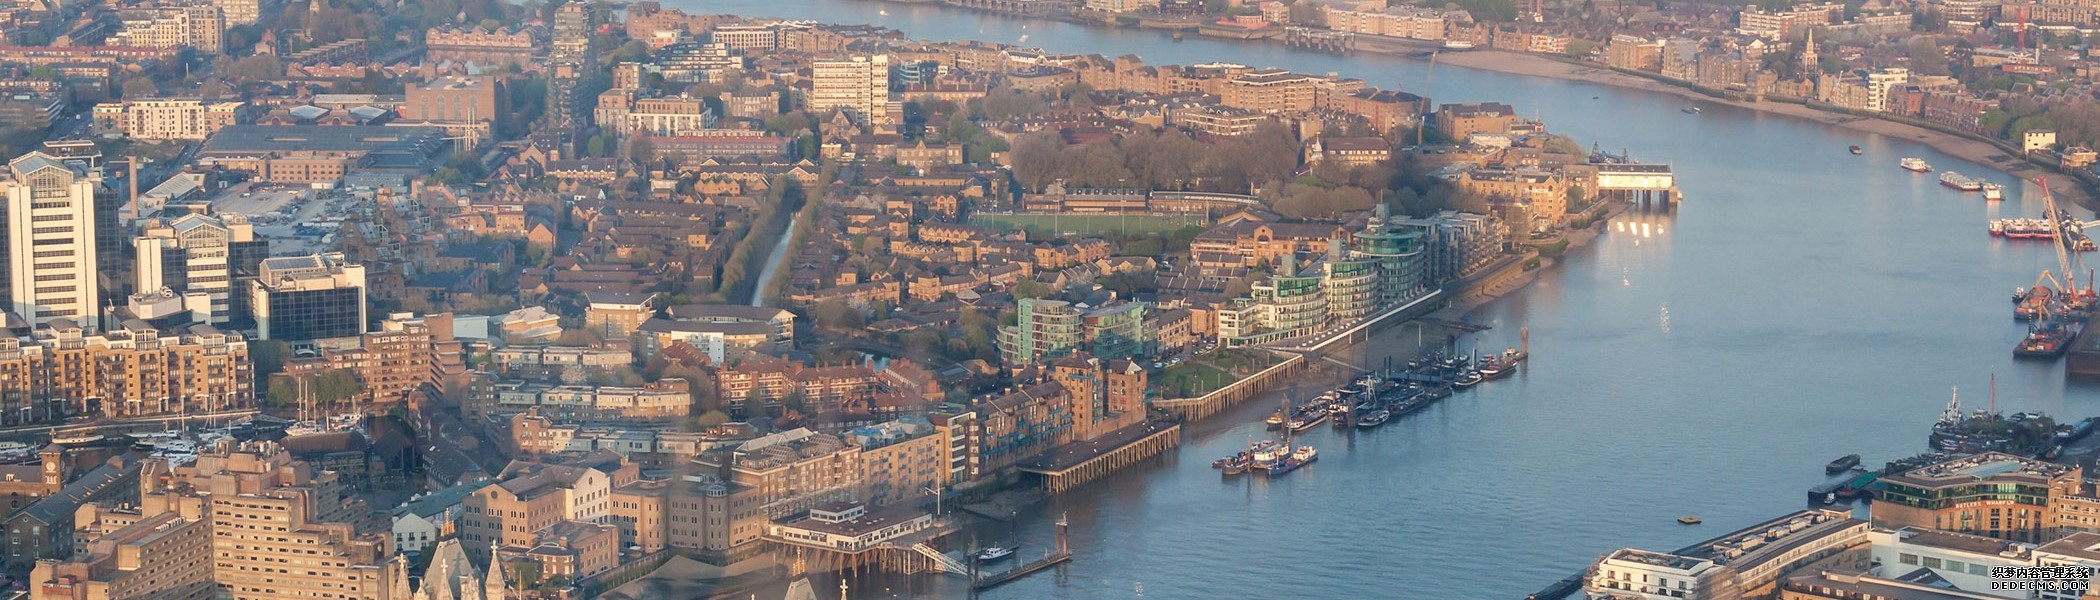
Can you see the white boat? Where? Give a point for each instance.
(994, 553)
(1993, 192)
(1916, 165)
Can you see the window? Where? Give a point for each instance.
(1908, 559)
(1932, 563)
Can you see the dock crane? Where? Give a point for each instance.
(2059, 224)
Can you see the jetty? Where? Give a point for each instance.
(1060, 555)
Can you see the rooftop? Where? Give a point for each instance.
(1988, 466)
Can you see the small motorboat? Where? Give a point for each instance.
(1693, 110)
(1689, 520)
(994, 553)
(1467, 379)
(1856, 150)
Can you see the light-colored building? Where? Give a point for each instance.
(860, 84)
(617, 314)
(200, 259)
(1269, 91)
(1747, 563)
(431, 517)
(52, 264)
(2038, 140)
(168, 118)
(1963, 561)
(201, 27)
(1881, 83)
(240, 12)
(1051, 328)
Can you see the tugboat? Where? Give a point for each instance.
(1841, 464)
(1993, 192)
(1915, 165)
(994, 553)
(1304, 455)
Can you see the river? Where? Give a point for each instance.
(1803, 304)
(776, 259)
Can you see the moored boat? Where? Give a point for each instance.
(1960, 182)
(1689, 520)
(1993, 192)
(1856, 150)
(1303, 455)
(1915, 165)
(1374, 419)
(994, 553)
(1842, 463)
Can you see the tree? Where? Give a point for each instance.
(1926, 58)
(836, 314)
(269, 357)
(255, 68)
(1035, 159)
(712, 418)
(139, 87)
(642, 149)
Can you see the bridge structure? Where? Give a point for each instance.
(1648, 186)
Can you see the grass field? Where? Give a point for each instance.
(1190, 380)
(1091, 224)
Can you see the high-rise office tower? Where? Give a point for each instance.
(51, 245)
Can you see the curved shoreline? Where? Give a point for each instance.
(2064, 186)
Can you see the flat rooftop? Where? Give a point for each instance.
(1988, 466)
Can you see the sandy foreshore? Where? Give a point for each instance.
(1502, 61)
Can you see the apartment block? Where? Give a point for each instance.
(168, 118)
(860, 84)
(164, 557)
(200, 27)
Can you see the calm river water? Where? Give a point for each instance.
(1803, 304)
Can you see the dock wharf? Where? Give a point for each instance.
(1059, 555)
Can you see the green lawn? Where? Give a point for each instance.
(1241, 360)
(1189, 380)
(1091, 224)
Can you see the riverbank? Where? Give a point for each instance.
(1516, 63)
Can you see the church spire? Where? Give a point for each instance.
(1810, 66)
